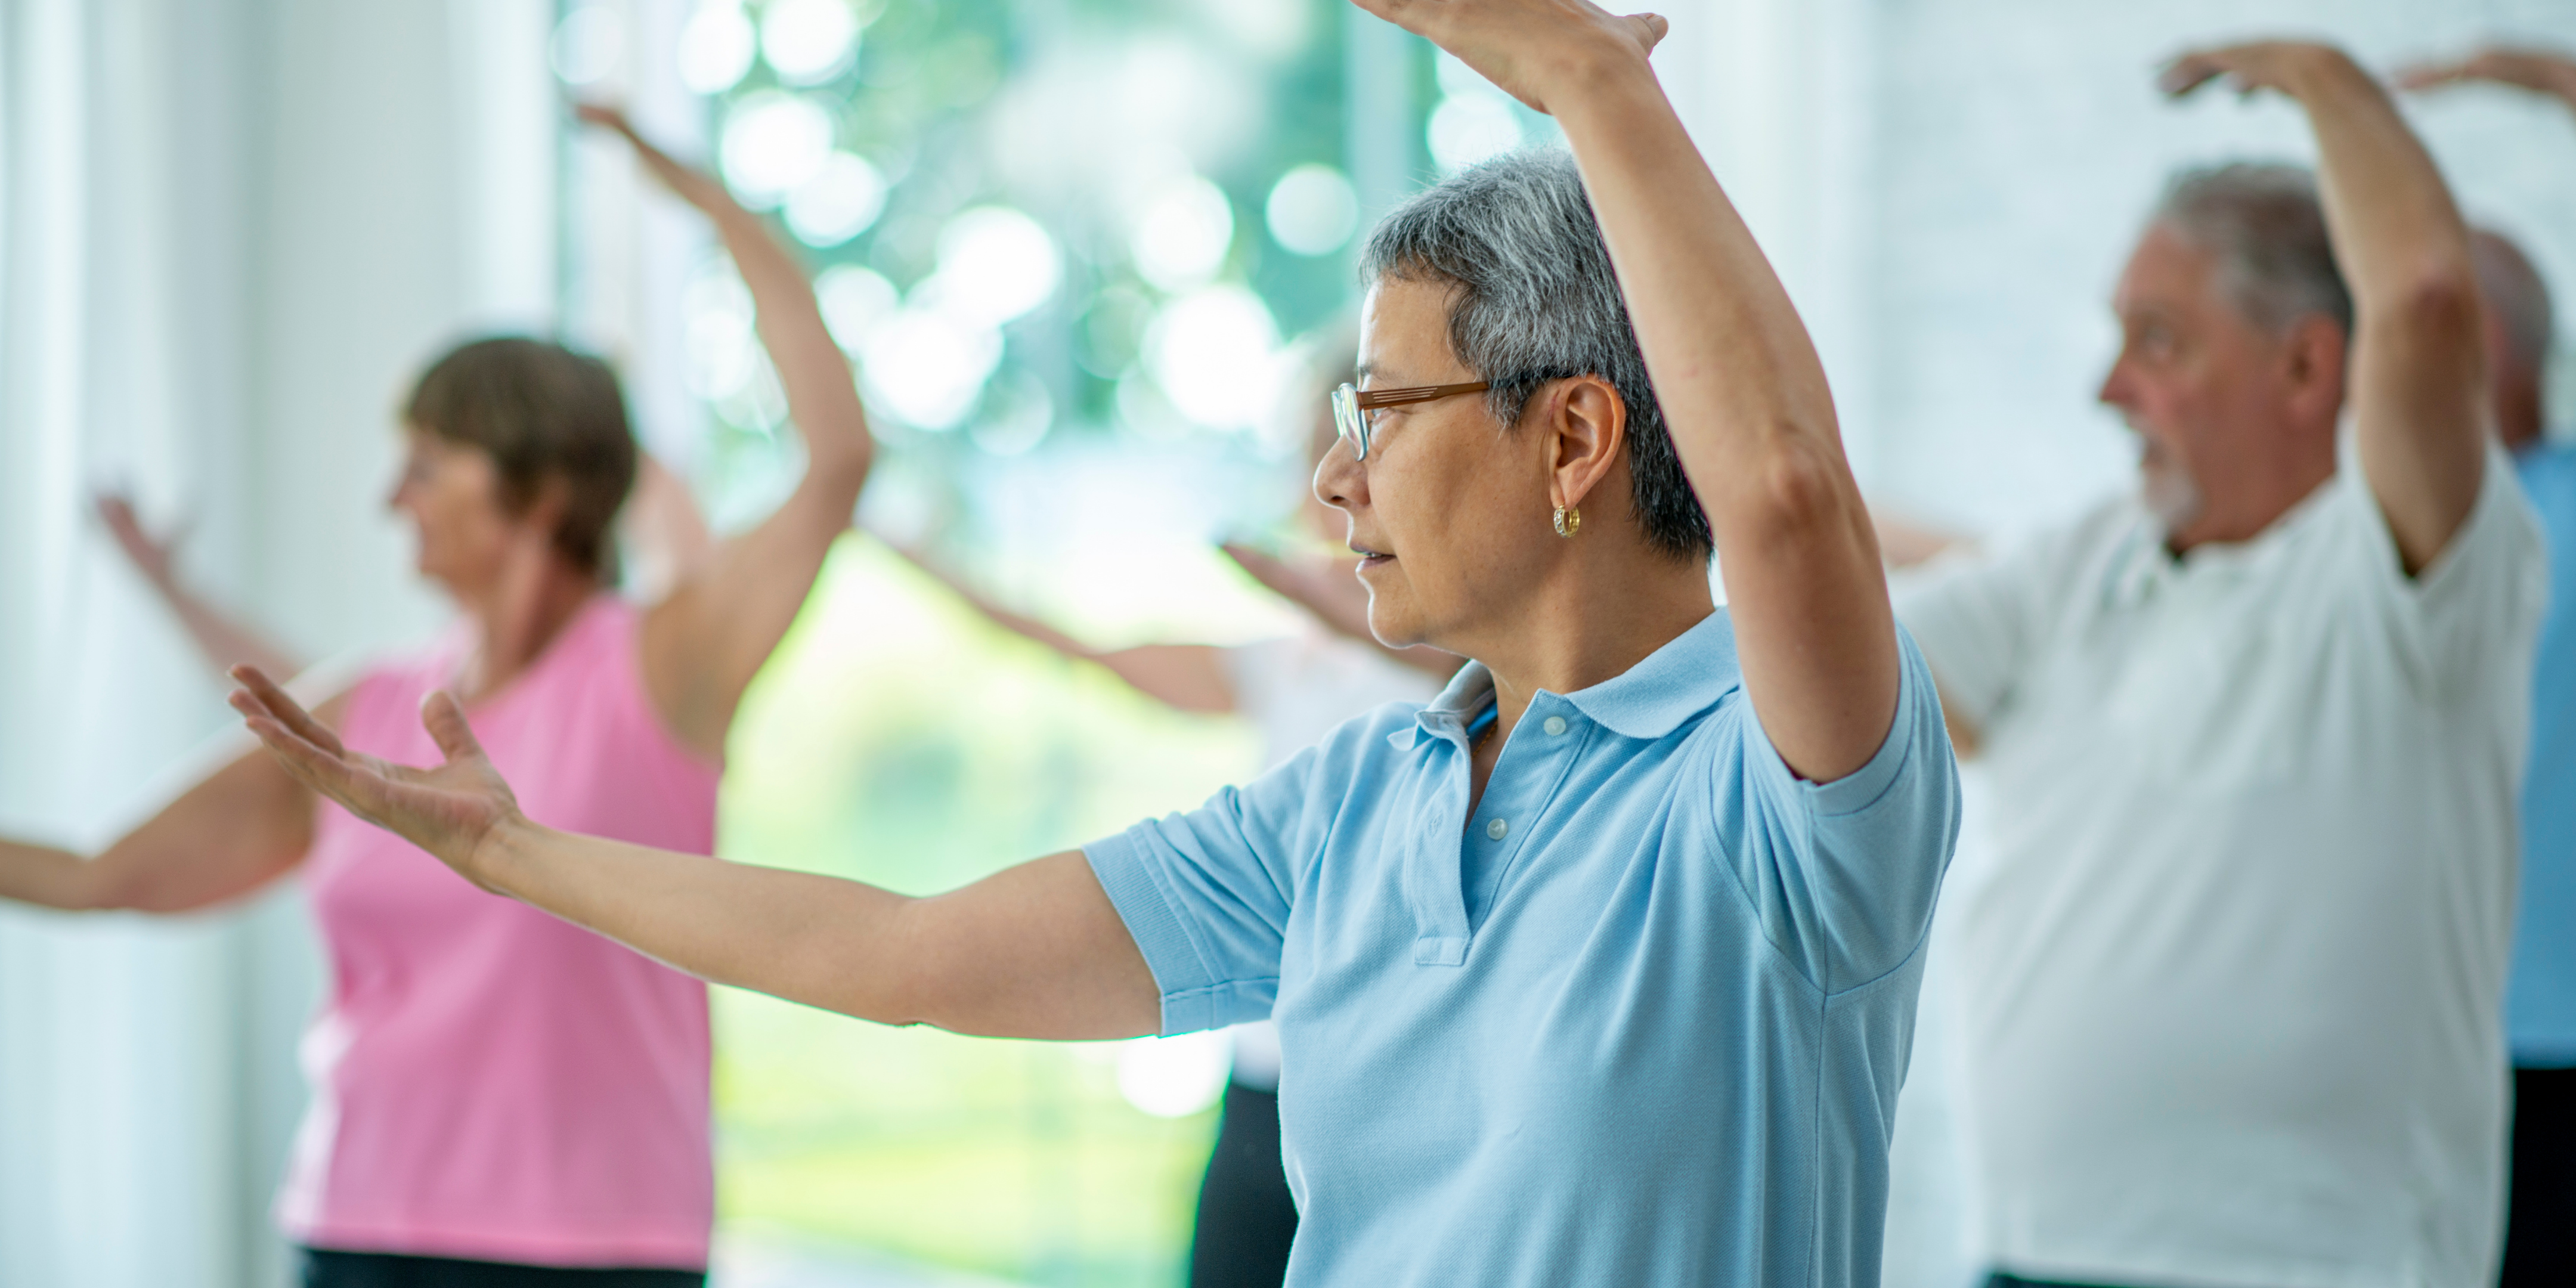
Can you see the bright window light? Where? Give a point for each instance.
(772, 144)
(1174, 1077)
(1187, 229)
(715, 48)
(838, 203)
(1468, 128)
(1215, 352)
(1312, 210)
(586, 45)
(808, 41)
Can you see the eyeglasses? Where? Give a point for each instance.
(1352, 405)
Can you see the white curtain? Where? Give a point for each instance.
(228, 231)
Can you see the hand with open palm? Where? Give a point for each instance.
(454, 811)
(1527, 47)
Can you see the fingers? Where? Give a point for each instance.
(1651, 29)
(2190, 72)
(446, 724)
(260, 696)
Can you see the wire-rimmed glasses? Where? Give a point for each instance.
(1352, 405)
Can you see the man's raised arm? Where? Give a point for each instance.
(1739, 381)
(2415, 381)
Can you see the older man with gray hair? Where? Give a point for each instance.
(2230, 973)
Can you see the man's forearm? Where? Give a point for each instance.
(2392, 217)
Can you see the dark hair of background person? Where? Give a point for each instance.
(541, 412)
(2264, 225)
(1534, 299)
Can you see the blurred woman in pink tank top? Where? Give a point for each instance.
(500, 1098)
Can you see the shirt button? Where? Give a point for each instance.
(1497, 828)
(1555, 726)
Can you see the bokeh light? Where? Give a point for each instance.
(854, 301)
(716, 45)
(773, 143)
(1215, 354)
(1468, 128)
(838, 203)
(1183, 239)
(1174, 1077)
(995, 264)
(928, 366)
(586, 44)
(1312, 210)
(808, 41)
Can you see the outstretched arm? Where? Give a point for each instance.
(1036, 951)
(1184, 677)
(241, 826)
(223, 641)
(1739, 381)
(704, 642)
(2416, 382)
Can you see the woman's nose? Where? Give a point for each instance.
(1339, 480)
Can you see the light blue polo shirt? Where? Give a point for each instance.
(1640, 1020)
(2540, 1002)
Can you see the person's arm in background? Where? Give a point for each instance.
(223, 641)
(2416, 379)
(1906, 543)
(235, 830)
(1033, 951)
(2542, 71)
(1184, 677)
(703, 643)
(1739, 380)
(1330, 592)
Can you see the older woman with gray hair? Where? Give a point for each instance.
(1599, 968)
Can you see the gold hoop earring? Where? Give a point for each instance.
(1568, 518)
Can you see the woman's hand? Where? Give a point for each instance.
(1525, 47)
(451, 811)
(149, 555)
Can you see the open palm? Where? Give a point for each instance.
(449, 810)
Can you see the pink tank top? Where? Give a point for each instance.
(489, 1082)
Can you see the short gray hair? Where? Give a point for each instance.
(2264, 224)
(1534, 300)
(2513, 288)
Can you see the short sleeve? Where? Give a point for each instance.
(2479, 601)
(1845, 873)
(1978, 617)
(1206, 894)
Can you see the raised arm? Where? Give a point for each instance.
(1036, 951)
(2416, 381)
(1740, 384)
(222, 641)
(703, 643)
(2542, 71)
(1184, 677)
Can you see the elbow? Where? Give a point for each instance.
(2436, 300)
(1797, 489)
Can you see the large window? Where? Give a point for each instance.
(1072, 248)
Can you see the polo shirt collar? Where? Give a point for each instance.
(1649, 700)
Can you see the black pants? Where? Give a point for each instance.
(2001, 1280)
(2539, 1247)
(324, 1268)
(1246, 1218)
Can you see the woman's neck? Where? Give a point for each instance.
(1590, 622)
(536, 594)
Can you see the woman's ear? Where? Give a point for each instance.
(1587, 429)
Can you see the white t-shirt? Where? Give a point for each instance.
(2228, 977)
(1295, 689)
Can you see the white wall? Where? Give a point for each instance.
(229, 231)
